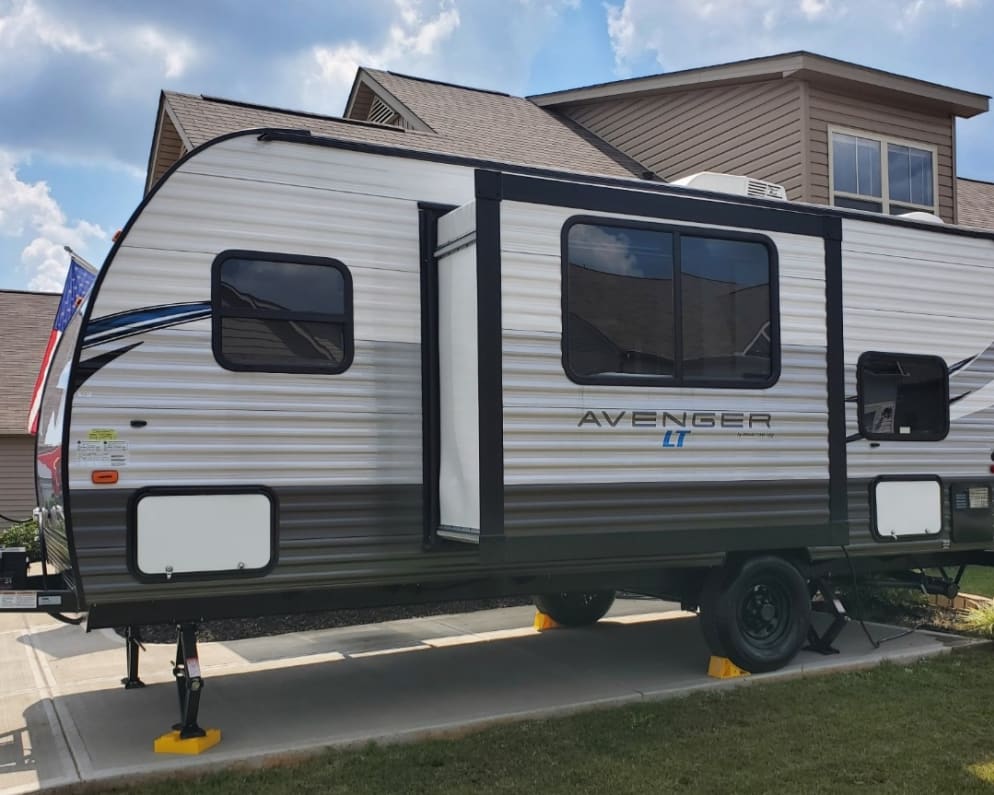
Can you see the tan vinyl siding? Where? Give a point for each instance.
(17, 481)
(827, 108)
(752, 129)
(25, 326)
(170, 149)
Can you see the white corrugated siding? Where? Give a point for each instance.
(542, 407)
(207, 425)
(917, 291)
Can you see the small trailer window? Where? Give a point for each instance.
(669, 307)
(281, 314)
(902, 397)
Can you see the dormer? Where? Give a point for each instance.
(369, 100)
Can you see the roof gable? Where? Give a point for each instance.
(369, 100)
(798, 65)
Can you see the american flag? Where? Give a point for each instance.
(79, 280)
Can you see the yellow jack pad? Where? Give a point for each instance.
(170, 743)
(544, 622)
(723, 668)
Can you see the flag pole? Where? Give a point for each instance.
(79, 279)
(80, 259)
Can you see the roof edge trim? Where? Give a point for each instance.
(800, 64)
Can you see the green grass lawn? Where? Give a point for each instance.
(978, 580)
(925, 727)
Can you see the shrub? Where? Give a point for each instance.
(24, 535)
(979, 621)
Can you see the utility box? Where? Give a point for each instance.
(13, 568)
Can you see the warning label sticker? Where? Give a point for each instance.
(102, 434)
(18, 600)
(97, 454)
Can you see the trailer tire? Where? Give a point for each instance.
(575, 608)
(762, 613)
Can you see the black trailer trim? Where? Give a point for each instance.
(490, 352)
(658, 545)
(835, 365)
(431, 444)
(200, 491)
(875, 531)
(262, 603)
(674, 207)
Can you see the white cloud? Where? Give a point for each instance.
(28, 211)
(621, 32)
(686, 33)
(26, 25)
(410, 36)
(175, 53)
(812, 9)
(29, 34)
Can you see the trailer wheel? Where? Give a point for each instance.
(762, 614)
(575, 608)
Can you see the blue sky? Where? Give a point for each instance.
(81, 81)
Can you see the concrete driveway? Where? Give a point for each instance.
(65, 718)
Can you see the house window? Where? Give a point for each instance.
(653, 305)
(879, 174)
(281, 314)
(902, 397)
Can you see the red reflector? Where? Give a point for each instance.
(104, 476)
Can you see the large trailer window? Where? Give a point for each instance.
(655, 305)
(902, 397)
(281, 314)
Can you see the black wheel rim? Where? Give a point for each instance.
(765, 614)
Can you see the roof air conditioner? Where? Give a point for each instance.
(922, 217)
(733, 183)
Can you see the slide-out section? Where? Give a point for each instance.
(459, 428)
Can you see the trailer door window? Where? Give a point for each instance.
(282, 314)
(670, 307)
(902, 397)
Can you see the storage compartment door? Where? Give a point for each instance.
(907, 507)
(203, 535)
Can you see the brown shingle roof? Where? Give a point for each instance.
(975, 203)
(25, 325)
(493, 126)
(464, 122)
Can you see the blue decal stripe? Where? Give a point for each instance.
(139, 321)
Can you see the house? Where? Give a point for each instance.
(25, 325)
(975, 201)
(829, 131)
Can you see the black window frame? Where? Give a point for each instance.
(678, 379)
(894, 436)
(347, 319)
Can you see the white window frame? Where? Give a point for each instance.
(884, 199)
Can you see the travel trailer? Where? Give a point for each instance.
(317, 374)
